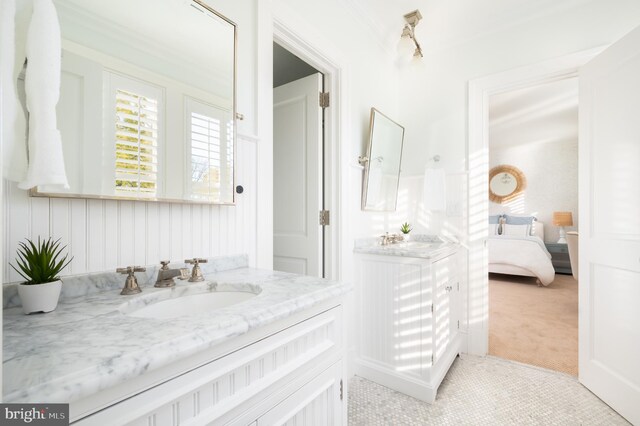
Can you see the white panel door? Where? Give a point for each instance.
(297, 176)
(609, 356)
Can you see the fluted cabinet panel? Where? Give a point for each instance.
(104, 234)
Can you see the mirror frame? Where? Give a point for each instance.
(521, 183)
(366, 163)
(33, 192)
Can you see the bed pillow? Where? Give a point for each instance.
(516, 230)
(498, 220)
(519, 219)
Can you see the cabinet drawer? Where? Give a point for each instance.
(557, 248)
(316, 403)
(206, 393)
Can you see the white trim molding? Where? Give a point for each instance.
(334, 132)
(480, 90)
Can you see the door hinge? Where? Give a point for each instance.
(325, 100)
(432, 308)
(432, 359)
(341, 390)
(324, 217)
(458, 283)
(458, 324)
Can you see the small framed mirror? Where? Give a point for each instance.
(505, 182)
(382, 163)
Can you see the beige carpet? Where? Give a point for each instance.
(534, 325)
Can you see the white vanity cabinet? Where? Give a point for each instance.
(407, 321)
(284, 373)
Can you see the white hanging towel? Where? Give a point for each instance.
(42, 83)
(435, 190)
(14, 148)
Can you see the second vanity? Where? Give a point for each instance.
(272, 353)
(407, 313)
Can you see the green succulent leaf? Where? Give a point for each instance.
(38, 262)
(405, 228)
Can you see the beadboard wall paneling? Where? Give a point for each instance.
(102, 235)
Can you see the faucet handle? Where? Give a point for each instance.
(131, 269)
(196, 273)
(195, 261)
(131, 283)
(165, 264)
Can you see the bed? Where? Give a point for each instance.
(521, 255)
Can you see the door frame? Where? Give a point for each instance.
(332, 154)
(480, 90)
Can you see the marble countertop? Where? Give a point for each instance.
(420, 246)
(89, 343)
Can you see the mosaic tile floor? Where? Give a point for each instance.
(484, 391)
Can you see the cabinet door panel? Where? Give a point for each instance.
(443, 286)
(394, 314)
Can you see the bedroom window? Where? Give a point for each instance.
(136, 144)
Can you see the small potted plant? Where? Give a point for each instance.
(39, 264)
(406, 228)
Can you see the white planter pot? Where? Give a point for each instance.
(39, 297)
(407, 237)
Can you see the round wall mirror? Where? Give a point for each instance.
(505, 182)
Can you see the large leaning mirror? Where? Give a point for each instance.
(382, 163)
(147, 101)
(505, 183)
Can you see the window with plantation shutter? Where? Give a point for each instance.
(136, 144)
(211, 152)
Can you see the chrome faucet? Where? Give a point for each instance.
(166, 275)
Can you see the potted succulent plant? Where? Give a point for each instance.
(406, 228)
(39, 264)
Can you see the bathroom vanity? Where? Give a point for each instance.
(270, 352)
(407, 313)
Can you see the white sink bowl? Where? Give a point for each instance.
(191, 304)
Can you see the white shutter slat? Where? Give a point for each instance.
(136, 142)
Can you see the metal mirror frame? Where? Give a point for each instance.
(366, 163)
(33, 192)
(521, 183)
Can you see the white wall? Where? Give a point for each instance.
(434, 93)
(551, 170)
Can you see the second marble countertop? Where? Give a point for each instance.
(420, 246)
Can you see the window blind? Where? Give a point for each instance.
(205, 156)
(136, 144)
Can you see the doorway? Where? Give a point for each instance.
(533, 296)
(480, 92)
(299, 166)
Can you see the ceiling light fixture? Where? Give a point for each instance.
(409, 33)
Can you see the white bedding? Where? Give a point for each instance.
(528, 253)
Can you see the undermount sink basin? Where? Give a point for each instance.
(192, 304)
